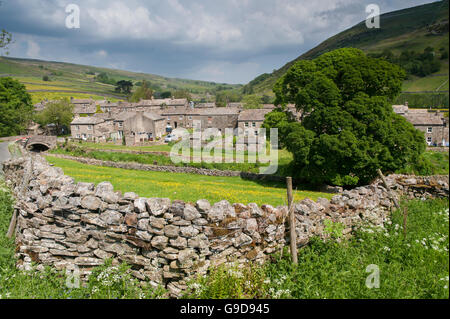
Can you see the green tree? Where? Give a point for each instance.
(279, 119)
(59, 113)
(348, 129)
(124, 86)
(165, 95)
(225, 97)
(252, 101)
(182, 94)
(103, 78)
(144, 92)
(16, 109)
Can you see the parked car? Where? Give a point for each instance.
(170, 138)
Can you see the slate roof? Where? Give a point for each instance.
(400, 109)
(153, 116)
(159, 102)
(127, 115)
(216, 111)
(82, 101)
(425, 118)
(235, 105)
(88, 120)
(206, 105)
(253, 115)
(124, 116)
(80, 109)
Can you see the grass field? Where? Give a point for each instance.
(37, 97)
(74, 77)
(106, 153)
(429, 83)
(433, 163)
(186, 187)
(107, 146)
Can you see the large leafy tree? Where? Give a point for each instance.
(182, 94)
(124, 86)
(59, 113)
(144, 92)
(280, 119)
(15, 107)
(348, 127)
(252, 101)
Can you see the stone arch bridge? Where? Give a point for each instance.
(40, 143)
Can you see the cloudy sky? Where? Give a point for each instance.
(229, 41)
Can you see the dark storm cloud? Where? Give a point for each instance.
(224, 41)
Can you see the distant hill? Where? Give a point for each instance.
(67, 79)
(409, 29)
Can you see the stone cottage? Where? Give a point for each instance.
(251, 120)
(158, 104)
(219, 117)
(95, 128)
(83, 106)
(432, 123)
(138, 127)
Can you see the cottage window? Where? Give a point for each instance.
(254, 124)
(119, 124)
(181, 117)
(246, 124)
(429, 140)
(89, 127)
(430, 130)
(190, 117)
(78, 127)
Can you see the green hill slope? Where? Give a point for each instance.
(409, 29)
(79, 81)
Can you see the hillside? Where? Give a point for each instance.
(409, 29)
(79, 81)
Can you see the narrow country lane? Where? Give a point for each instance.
(4, 154)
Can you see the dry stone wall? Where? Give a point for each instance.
(62, 223)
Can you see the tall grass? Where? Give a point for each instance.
(413, 267)
(431, 163)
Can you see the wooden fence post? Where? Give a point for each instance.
(405, 219)
(12, 224)
(293, 233)
(388, 189)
